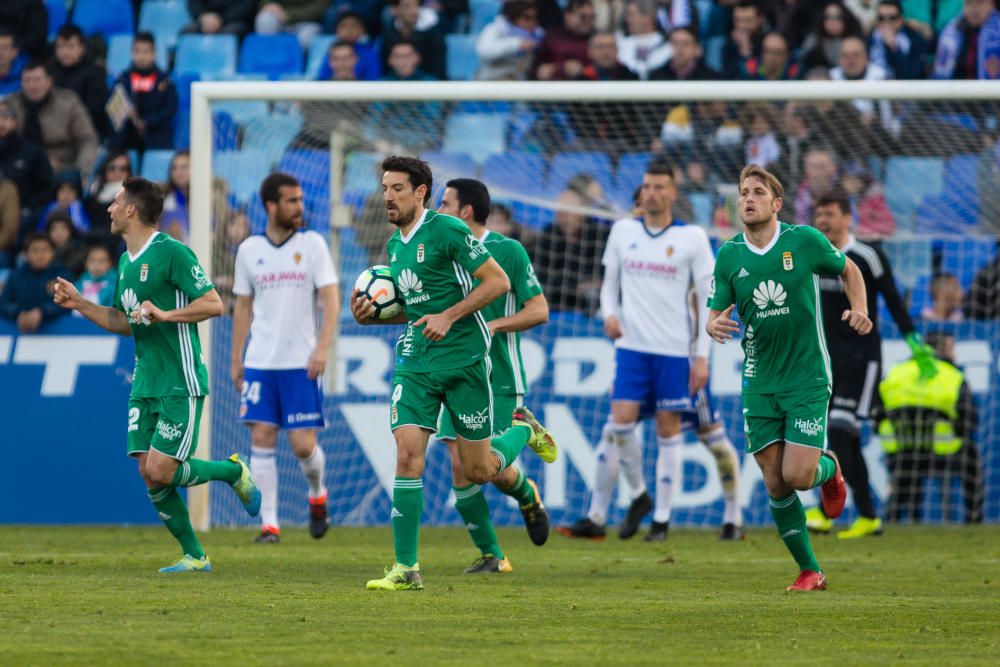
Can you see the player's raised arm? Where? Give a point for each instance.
(110, 319)
(854, 287)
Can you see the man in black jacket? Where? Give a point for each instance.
(685, 63)
(24, 163)
(154, 100)
(215, 17)
(74, 69)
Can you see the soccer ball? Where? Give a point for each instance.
(377, 285)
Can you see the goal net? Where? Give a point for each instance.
(919, 162)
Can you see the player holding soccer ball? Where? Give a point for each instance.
(443, 356)
(162, 294)
(281, 275)
(770, 273)
(652, 263)
(523, 307)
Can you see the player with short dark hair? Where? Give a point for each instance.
(523, 307)
(856, 359)
(442, 359)
(770, 272)
(162, 294)
(281, 277)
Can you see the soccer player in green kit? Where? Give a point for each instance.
(162, 294)
(523, 307)
(770, 274)
(443, 356)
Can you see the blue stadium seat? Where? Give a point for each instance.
(272, 55)
(156, 165)
(567, 165)
(164, 18)
(482, 13)
(243, 170)
(960, 174)
(446, 165)
(947, 213)
(631, 168)
(360, 176)
(271, 133)
(312, 168)
(241, 110)
(920, 296)
(462, 61)
(120, 55)
(478, 134)
(910, 259)
(515, 172)
(318, 47)
(702, 204)
(56, 10)
(106, 17)
(907, 181)
(206, 54)
(713, 52)
(963, 257)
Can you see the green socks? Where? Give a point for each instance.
(522, 492)
(407, 506)
(471, 505)
(509, 444)
(826, 468)
(197, 471)
(168, 502)
(790, 518)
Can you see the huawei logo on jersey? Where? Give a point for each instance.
(769, 293)
(412, 287)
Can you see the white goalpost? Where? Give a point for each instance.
(544, 149)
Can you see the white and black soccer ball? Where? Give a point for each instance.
(377, 285)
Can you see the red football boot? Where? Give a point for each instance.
(833, 492)
(808, 580)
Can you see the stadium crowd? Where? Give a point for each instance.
(67, 142)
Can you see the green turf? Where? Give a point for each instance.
(93, 596)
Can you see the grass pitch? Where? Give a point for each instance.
(93, 596)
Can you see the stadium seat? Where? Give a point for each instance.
(243, 170)
(516, 173)
(479, 134)
(360, 176)
(963, 257)
(271, 133)
(631, 167)
(920, 296)
(702, 205)
(120, 55)
(910, 259)
(272, 55)
(907, 181)
(482, 13)
(206, 55)
(225, 132)
(318, 47)
(462, 61)
(105, 17)
(704, 14)
(241, 110)
(156, 165)
(56, 10)
(164, 18)
(567, 165)
(947, 213)
(713, 52)
(312, 168)
(446, 165)
(960, 174)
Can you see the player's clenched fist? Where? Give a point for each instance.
(857, 321)
(723, 327)
(65, 294)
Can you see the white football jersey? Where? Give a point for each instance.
(283, 281)
(648, 279)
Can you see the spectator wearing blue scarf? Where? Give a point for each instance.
(969, 46)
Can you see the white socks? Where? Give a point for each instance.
(265, 474)
(630, 454)
(668, 473)
(314, 467)
(605, 478)
(728, 463)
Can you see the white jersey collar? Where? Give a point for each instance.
(134, 257)
(850, 244)
(405, 238)
(770, 244)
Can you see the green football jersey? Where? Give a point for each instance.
(433, 268)
(507, 372)
(776, 292)
(167, 356)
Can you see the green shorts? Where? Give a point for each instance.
(169, 425)
(503, 410)
(796, 416)
(418, 398)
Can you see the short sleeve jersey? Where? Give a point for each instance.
(777, 295)
(167, 356)
(507, 372)
(433, 267)
(283, 279)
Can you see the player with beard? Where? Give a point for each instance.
(442, 359)
(857, 361)
(281, 277)
(770, 273)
